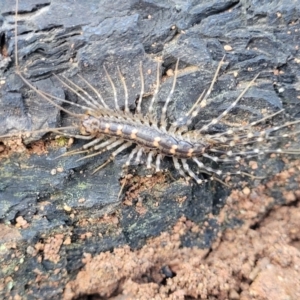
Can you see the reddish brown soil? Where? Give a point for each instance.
(258, 260)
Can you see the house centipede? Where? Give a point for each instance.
(150, 134)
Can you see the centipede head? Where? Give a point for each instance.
(89, 125)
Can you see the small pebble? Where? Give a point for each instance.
(227, 48)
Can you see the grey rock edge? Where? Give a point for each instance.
(70, 38)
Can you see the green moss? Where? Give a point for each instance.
(62, 141)
(83, 185)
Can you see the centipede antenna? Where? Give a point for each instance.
(16, 36)
(24, 79)
(91, 100)
(230, 107)
(69, 87)
(66, 101)
(113, 87)
(138, 108)
(46, 130)
(150, 108)
(47, 98)
(126, 109)
(163, 121)
(94, 90)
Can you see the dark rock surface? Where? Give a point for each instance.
(79, 37)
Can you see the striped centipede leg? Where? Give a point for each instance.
(126, 109)
(250, 125)
(149, 159)
(190, 172)
(139, 103)
(247, 154)
(252, 136)
(150, 108)
(139, 155)
(113, 88)
(93, 143)
(105, 146)
(84, 148)
(230, 107)
(223, 160)
(114, 154)
(163, 119)
(95, 148)
(207, 169)
(157, 163)
(131, 155)
(178, 167)
(200, 103)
